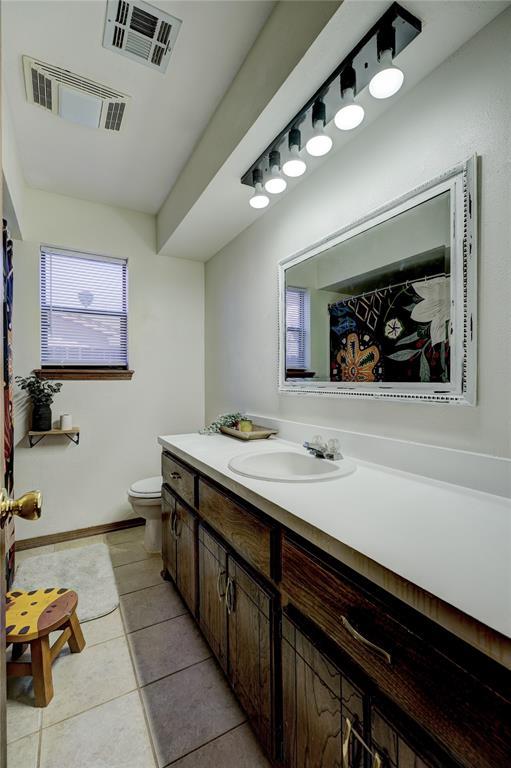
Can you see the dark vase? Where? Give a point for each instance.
(41, 418)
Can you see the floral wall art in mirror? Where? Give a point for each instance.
(387, 306)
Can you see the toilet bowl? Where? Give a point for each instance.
(145, 499)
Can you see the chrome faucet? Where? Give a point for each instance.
(324, 450)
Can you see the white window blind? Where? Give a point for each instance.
(297, 328)
(84, 310)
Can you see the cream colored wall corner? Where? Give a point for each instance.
(460, 109)
(86, 485)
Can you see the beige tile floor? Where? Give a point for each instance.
(144, 693)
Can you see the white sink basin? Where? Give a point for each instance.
(289, 466)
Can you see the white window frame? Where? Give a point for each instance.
(48, 250)
(305, 330)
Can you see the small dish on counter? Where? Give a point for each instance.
(256, 433)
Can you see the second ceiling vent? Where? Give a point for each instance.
(140, 32)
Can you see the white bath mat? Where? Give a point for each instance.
(87, 570)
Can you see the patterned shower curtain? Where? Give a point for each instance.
(8, 393)
(394, 334)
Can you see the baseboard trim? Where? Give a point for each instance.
(78, 533)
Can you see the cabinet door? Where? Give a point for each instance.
(250, 667)
(186, 555)
(323, 712)
(212, 583)
(395, 751)
(168, 512)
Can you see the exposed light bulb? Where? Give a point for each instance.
(389, 78)
(259, 199)
(319, 144)
(350, 115)
(275, 184)
(294, 165)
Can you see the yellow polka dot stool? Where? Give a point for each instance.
(30, 617)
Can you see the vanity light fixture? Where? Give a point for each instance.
(388, 79)
(369, 64)
(275, 184)
(319, 143)
(258, 199)
(350, 115)
(295, 166)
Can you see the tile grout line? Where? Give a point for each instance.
(132, 591)
(40, 744)
(176, 672)
(162, 621)
(130, 562)
(94, 706)
(140, 698)
(210, 741)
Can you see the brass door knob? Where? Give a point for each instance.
(27, 506)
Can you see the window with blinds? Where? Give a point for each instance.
(297, 328)
(84, 310)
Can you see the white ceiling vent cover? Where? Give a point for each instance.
(140, 32)
(73, 97)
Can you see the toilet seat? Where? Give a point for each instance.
(149, 488)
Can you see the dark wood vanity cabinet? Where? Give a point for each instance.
(168, 543)
(212, 589)
(331, 720)
(235, 616)
(332, 671)
(179, 547)
(186, 555)
(250, 660)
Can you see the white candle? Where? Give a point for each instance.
(66, 421)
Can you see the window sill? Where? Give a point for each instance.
(63, 374)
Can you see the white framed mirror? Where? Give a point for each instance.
(386, 307)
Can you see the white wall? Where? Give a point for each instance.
(86, 485)
(461, 108)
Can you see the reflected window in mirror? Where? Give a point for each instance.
(298, 332)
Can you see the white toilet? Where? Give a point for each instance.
(145, 499)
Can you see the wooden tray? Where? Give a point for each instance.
(258, 433)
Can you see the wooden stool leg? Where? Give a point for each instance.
(76, 641)
(18, 649)
(41, 671)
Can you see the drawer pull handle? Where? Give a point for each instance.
(361, 639)
(220, 576)
(175, 476)
(173, 525)
(350, 731)
(229, 595)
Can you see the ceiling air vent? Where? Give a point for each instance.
(140, 32)
(73, 97)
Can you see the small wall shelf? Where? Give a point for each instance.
(72, 434)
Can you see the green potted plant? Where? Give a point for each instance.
(41, 394)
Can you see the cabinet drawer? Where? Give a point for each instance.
(178, 477)
(245, 532)
(447, 700)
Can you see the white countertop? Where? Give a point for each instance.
(451, 541)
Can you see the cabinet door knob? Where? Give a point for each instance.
(368, 644)
(175, 476)
(220, 576)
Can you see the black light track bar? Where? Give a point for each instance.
(363, 59)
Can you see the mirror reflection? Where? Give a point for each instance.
(377, 306)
